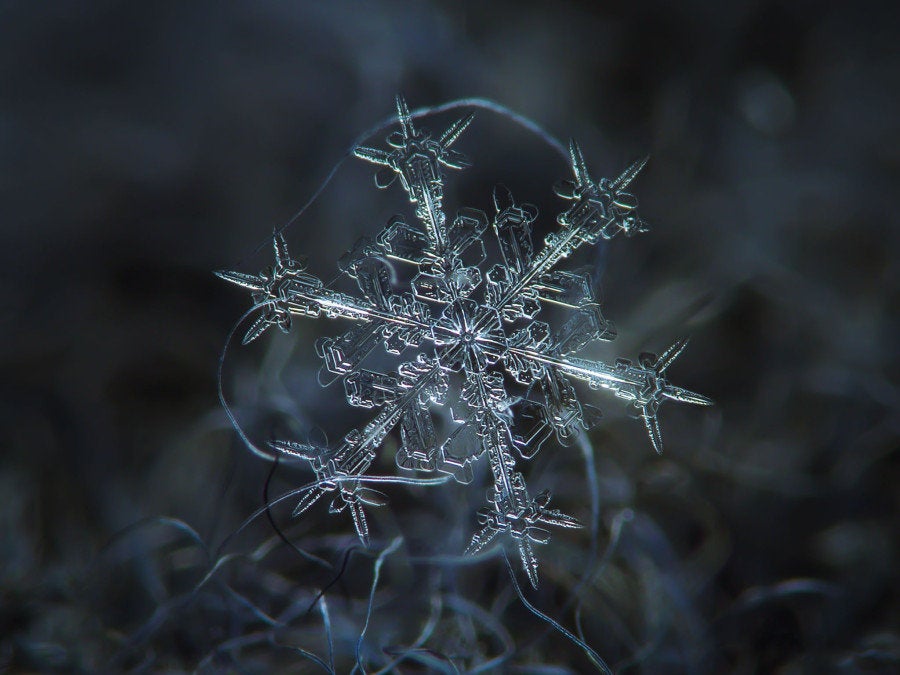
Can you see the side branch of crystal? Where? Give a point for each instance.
(456, 322)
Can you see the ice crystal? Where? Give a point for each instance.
(457, 323)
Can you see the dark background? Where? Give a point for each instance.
(143, 145)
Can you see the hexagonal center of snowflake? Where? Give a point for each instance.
(468, 335)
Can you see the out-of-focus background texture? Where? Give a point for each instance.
(144, 145)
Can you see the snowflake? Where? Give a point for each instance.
(468, 326)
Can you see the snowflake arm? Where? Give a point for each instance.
(643, 383)
(417, 159)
